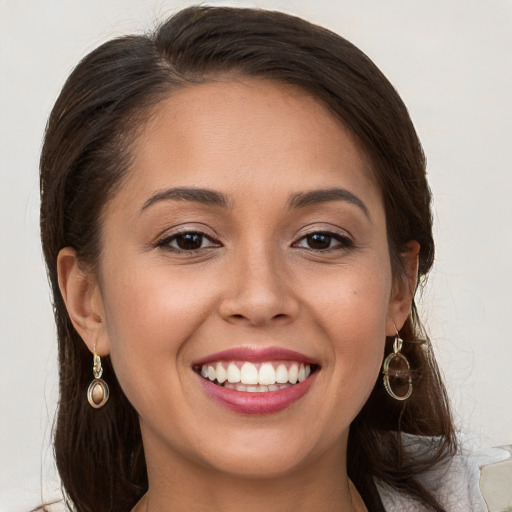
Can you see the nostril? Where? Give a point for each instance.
(258, 309)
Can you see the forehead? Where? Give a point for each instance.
(237, 134)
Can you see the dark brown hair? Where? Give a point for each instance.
(86, 153)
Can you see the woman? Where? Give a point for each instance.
(235, 218)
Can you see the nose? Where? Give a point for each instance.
(259, 291)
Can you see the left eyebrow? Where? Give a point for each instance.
(314, 197)
(198, 195)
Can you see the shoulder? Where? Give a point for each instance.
(455, 482)
(496, 481)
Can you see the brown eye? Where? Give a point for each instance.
(319, 241)
(187, 242)
(324, 241)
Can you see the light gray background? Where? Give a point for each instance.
(451, 62)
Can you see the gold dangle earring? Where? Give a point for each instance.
(97, 393)
(397, 372)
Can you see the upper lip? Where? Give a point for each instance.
(255, 355)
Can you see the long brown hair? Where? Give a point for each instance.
(86, 153)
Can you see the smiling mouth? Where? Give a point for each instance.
(252, 377)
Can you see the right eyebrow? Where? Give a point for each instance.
(198, 195)
(314, 197)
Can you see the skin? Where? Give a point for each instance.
(255, 281)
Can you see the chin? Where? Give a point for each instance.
(260, 464)
(272, 454)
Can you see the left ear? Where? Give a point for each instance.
(403, 289)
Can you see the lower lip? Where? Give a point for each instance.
(244, 402)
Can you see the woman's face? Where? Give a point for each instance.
(247, 245)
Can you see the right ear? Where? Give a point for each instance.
(82, 296)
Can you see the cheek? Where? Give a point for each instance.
(356, 326)
(150, 315)
(352, 308)
(353, 302)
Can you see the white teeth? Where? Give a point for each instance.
(267, 374)
(281, 374)
(249, 374)
(293, 373)
(256, 389)
(302, 373)
(222, 374)
(249, 378)
(233, 373)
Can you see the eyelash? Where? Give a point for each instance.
(344, 242)
(167, 241)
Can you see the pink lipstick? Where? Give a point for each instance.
(256, 381)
